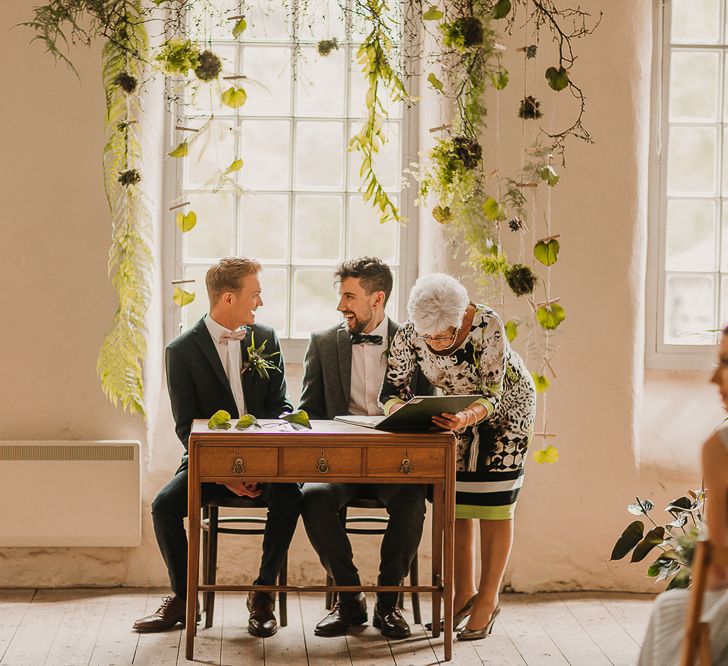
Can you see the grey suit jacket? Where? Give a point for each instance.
(327, 373)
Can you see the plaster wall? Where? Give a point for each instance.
(620, 431)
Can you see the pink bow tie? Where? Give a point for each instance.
(238, 334)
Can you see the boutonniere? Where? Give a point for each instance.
(259, 360)
(385, 353)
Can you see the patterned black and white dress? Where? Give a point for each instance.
(490, 455)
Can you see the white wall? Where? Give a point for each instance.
(619, 434)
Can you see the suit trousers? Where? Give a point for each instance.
(405, 505)
(169, 509)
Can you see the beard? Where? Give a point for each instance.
(356, 325)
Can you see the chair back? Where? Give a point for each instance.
(696, 643)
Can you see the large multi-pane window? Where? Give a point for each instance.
(691, 149)
(295, 205)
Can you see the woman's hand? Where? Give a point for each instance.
(448, 421)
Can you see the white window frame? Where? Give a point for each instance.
(659, 355)
(293, 348)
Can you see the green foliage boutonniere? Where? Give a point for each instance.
(259, 360)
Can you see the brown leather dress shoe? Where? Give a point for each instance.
(345, 615)
(262, 621)
(391, 622)
(169, 614)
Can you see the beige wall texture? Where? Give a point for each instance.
(620, 431)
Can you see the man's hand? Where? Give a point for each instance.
(243, 489)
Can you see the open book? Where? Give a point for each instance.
(414, 415)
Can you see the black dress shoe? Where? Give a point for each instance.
(169, 614)
(345, 615)
(391, 622)
(262, 621)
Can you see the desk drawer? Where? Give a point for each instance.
(238, 461)
(406, 462)
(321, 461)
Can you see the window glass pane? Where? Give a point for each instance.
(724, 239)
(691, 161)
(320, 84)
(266, 153)
(210, 20)
(695, 21)
(694, 86)
(274, 311)
(264, 226)
(268, 85)
(191, 313)
(209, 153)
(366, 236)
(689, 317)
(317, 228)
(320, 155)
(267, 20)
(314, 301)
(212, 237)
(723, 305)
(323, 19)
(690, 236)
(386, 161)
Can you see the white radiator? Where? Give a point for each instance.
(70, 493)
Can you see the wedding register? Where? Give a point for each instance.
(414, 415)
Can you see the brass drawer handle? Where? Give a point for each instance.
(406, 466)
(238, 467)
(323, 465)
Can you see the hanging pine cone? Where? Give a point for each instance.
(467, 151)
(130, 177)
(210, 66)
(126, 82)
(520, 279)
(515, 224)
(530, 108)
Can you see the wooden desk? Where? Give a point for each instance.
(331, 452)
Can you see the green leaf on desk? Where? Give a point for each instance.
(219, 420)
(299, 417)
(247, 421)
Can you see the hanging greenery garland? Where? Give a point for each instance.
(474, 203)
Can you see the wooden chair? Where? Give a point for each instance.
(373, 525)
(697, 634)
(213, 525)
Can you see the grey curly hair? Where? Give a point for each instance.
(436, 302)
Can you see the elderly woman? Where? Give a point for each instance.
(462, 349)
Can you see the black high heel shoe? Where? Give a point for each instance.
(459, 617)
(466, 634)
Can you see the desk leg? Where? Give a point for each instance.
(437, 527)
(193, 558)
(449, 572)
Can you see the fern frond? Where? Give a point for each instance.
(120, 361)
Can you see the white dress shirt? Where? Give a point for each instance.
(230, 357)
(368, 364)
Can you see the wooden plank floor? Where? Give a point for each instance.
(81, 627)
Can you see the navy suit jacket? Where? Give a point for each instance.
(198, 385)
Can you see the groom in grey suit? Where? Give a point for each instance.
(343, 372)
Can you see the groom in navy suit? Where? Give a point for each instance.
(208, 369)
